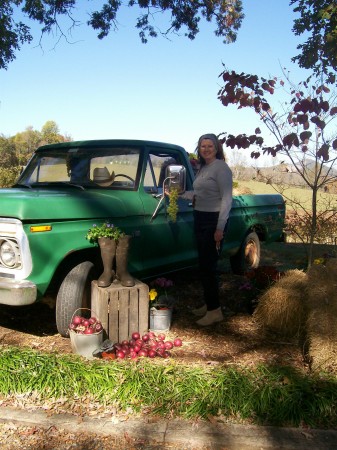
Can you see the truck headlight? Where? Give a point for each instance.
(9, 254)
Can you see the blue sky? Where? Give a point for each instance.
(165, 90)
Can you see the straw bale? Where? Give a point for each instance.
(322, 317)
(293, 279)
(282, 307)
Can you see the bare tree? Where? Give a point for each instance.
(303, 131)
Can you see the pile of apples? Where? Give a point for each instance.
(149, 345)
(82, 325)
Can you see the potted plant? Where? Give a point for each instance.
(113, 242)
(161, 304)
(161, 289)
(106, 230)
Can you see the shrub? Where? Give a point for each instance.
(8, 176)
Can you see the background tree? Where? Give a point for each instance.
(303, 132)
(49, 14)
(25, 143)
(15, 151)
(50, 133)
(318, 21)
(8, 162)
(8, 157)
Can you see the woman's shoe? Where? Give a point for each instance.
(211, 317)
(200, 311)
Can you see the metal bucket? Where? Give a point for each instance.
(160, 319)
(85, 344)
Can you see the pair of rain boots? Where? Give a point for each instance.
(111, 250)
(208, 317)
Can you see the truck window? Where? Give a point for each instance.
(115, 167)
(155, 171)
(50, 169)
(115, 170)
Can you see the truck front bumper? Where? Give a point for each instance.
(17, 293)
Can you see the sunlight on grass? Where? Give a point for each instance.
(304, 195)
(266, 395)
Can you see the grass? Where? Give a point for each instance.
(266, 395)
(304, 195)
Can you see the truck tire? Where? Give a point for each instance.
(248, 256)
(74, 293)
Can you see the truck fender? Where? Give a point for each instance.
(74, 293)
(248, 256)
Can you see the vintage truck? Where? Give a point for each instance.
(68, 187)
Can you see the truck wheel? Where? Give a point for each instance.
(74, 293)
(248, 257)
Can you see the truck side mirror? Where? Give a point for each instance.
(175, 176)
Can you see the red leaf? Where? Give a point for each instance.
(302, 118)
(290, 140)
(323, 152)
(265, 106)
(318, 122)
(297, 107)
(255, 155)
(333, 111)
(305, 136)
(257, 131)
(325, 106)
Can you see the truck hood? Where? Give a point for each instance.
(53, 204)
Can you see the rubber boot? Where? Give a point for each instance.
(200, 311)
(122, 262)
(211, 317)
(108, 252)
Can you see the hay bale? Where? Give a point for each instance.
(322, 317)
(282, 308)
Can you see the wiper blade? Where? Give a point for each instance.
(19, 185)
(57, 184)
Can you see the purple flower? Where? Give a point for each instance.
(163, 282)
(247, 286)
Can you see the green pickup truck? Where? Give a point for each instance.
(68, 187)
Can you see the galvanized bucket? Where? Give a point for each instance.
(160, 319)
(85, 344)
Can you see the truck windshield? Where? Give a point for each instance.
(115, 168)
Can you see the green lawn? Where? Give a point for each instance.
(303, 195)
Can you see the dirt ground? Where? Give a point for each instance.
(236, 340)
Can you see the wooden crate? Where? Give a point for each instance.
(122, 310)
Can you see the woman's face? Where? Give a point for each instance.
(207, 150)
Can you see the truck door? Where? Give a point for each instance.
(171, 245)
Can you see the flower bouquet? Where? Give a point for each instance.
(159, 294)
(161, 304)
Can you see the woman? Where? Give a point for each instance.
(212, 203)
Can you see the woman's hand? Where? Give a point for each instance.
(218, 236)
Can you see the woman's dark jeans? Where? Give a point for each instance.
(204, 227)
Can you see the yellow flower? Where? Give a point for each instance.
(319, 261)
(153, 294)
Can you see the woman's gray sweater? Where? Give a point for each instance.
(213, 190)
